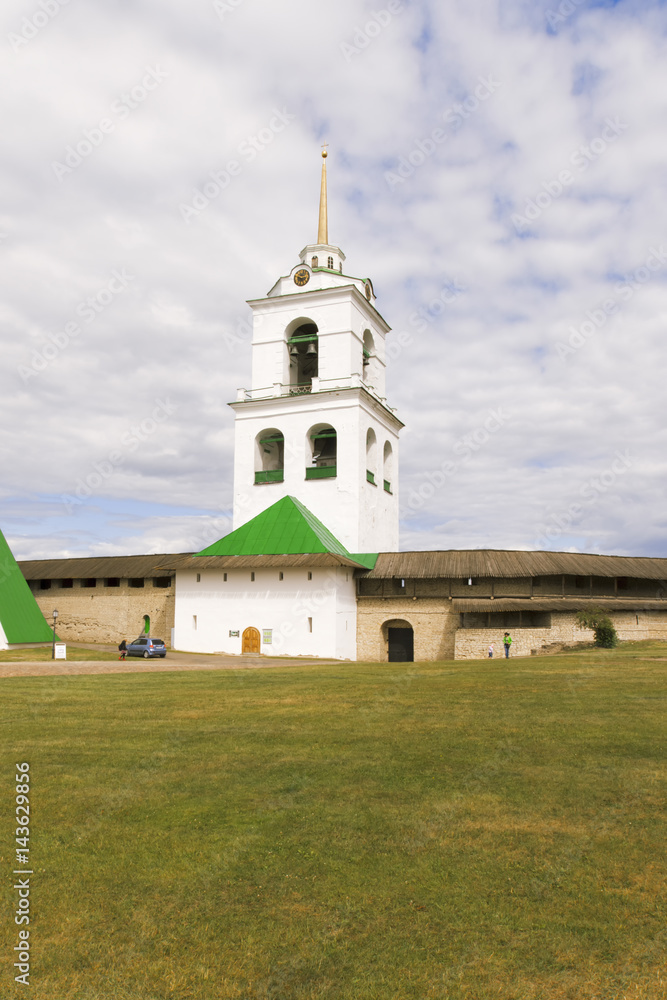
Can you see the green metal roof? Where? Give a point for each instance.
(21, 618)
(285, 528)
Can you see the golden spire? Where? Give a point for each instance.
(323, 228)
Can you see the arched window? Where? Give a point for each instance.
(387, 466)
(269, 456)
(313, 262)
(321, 446)
(302, 349)
(330, 263)
(371, 455)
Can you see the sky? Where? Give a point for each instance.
(497, 169)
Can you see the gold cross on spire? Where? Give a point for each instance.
(323, 228)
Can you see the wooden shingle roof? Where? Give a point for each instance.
(479, 563)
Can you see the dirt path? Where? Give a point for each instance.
(173, 662)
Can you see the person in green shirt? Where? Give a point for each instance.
(507, 642)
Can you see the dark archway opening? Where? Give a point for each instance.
(400, 643)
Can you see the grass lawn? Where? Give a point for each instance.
(39, 653)
(483, 830)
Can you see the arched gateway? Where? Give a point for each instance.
(399, 636)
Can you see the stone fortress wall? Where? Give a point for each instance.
(107, 614)
(446, 620)
(445, 627)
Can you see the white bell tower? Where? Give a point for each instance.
(315, 425)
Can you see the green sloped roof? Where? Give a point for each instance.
(21, 619)
(285, 528)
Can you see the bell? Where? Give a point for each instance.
(293, 351)
(311, 350)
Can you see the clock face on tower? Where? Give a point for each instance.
(302, 277)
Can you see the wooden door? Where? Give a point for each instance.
(250, 641)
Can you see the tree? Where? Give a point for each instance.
(602, 625)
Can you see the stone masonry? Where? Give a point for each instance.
(108, 614)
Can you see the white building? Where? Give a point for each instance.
(315, 471)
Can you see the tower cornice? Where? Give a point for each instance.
(313, 400)
(324, 295)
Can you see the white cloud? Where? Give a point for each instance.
(449, 222)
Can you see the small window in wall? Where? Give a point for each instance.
(224, 578)
(281, 575)
(310, 624)
(137, 582)
(313, 262)
(112, 581)
(252, 577)
(194, 622)
(310, 575)
(89, 582)
(330, 263)
(198, 577)
(45, 585)
(67, 584)
(162, 581)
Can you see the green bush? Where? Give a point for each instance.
(605, 634)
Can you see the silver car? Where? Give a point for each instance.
(143, 646)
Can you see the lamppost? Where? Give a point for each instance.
(53, 648)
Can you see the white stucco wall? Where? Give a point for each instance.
(284, 606)
(361, 516)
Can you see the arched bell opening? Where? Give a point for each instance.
(269, 456)
(303, 354)
(387, 466)
(368, 355)
(322, 448)
(371, 455)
